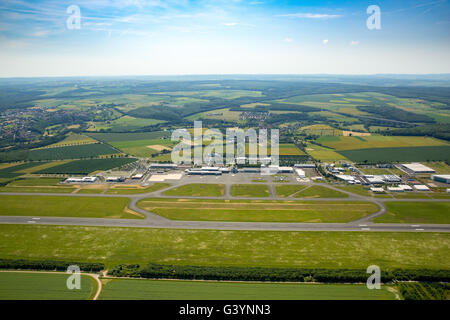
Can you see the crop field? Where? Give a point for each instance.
(440, 167)
(323, 154)
(87, 166)
(261, 211)
(56, 206)
(370, 142)
(289, 149)
(288, 190)
(347, 103)
(43, 286)
(117, 137)
(321, 130)
(112, 246)
(319, 192)
(435, 153)
(124, 123)
(71, 152)
(416, 212)
(137, 189)
(17, 169)
(219, 114)
(143, 148)
(73, 139)
(138, 289)
(197, 190)
(249, 190)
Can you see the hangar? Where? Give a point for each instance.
(416, 168)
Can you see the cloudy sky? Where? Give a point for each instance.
(152, 37)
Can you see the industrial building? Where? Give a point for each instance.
(157, 166)
(81, 180)
(375, 189)
(445, 178)
(421, 187)
(115, 179)
(204, 171)
(301, 173)
(416, 168)
(305, 165)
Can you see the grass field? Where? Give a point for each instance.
(356, 189)
(416, 212)
(207, 290)
(51, 206)
(137, 190)
(114, 246)
(323, 154)
(142, 148)
(35, 182)
(73, 139)
(258, 211)
(43, 286)
(87, 166)
(197, 190)
(320, 192)
(289, 149)
(288, 190)
(48, 189)
(249, 190)
(71, 152)
(432, 153)
(371, 142)
(117, 137)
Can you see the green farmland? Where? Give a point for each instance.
(416, 212)
(260, 211)
(87, 166)
(135, 289)
(43, 286)
(114, 246)
(197, 190)
(433, 153)
(52, 206)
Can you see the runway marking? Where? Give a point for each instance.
(365, 229)
(415, 225)
(31, 221)
(363, 225)
(36, 218)
(419, 229)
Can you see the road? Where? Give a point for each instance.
(155, 221)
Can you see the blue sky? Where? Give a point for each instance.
(150, 37)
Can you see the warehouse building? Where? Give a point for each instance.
(416, 168)
(445, 178)
(421, 187)
(301, 173)
(305, 165)
(158, 166)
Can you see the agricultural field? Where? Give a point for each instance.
(197, 190)
(11, 171)
(323, 154)
(288, 190)
(289, 149)
(249, 190)
(329, 250)
(124, 123)
(43, 286)
(56, 206)
(260, 211)
(218, 114)
(71, 152)
(73, 139)
(37, 185)
(416, 212)
(411, 154)
(87, 166)
(117, 137)
(143, 148)
(341, 143)
(137, 189)
(137, 289)
(320, 130)
(319, 192)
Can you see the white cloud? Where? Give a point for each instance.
(288, 40)
(354, 43)
(325, 41)
(230, 24)
(310, 15)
